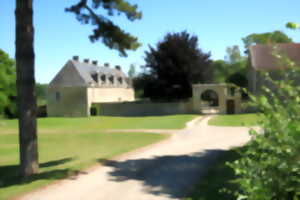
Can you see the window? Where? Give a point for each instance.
(232, 91)
(95, 77)
(120, 80)
(57, 96)
(103, 78)
(111, 79)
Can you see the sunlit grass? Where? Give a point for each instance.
(62, 155)
(235, 120)
(92, 124)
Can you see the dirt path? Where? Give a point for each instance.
(164, 172)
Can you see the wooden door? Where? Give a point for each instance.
(230, 106)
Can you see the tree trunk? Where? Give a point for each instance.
(26, 88)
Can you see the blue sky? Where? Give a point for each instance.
(217, 23)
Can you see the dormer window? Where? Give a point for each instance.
(111, 79)
(103, 78)
(95, 77)
(120, 80)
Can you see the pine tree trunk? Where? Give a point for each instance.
(27, 108)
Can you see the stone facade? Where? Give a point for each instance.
(80, 84)
(228, 101)
(263, 60)
(225, 99)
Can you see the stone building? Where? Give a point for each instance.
(216, 99)
(79, 84)
(263, 60)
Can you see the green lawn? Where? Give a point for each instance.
(235, 120)
(50, 125)
(218, 177)
(62, 155)
(68, 145)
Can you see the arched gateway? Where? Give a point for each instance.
(216, 98)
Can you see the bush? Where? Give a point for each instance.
(270, 167)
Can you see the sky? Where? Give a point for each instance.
(217, 23)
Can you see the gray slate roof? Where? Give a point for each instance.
(87, 69)
(76, 73)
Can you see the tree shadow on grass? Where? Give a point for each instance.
(173, 176)
(9, 175)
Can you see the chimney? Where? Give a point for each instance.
(95, 62)
(86, 60)
(76, 58)
(106, 64)
(118, 67)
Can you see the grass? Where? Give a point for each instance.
(91, 124)
(218, 177)
(68, 145)
(62, 155)
(235, 120)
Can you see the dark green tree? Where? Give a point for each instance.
(175, 64)
(110, 34)
(7, 84)
(86, 12)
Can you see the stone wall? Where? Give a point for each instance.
(77, 101)
(102, 95)
(67, 102)
(145, 108)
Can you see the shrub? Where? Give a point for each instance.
(269, 169)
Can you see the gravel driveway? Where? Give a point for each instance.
(165, 171)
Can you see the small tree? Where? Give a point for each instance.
(269, 168)
(175, 64)
(131, 72)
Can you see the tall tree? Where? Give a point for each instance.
(175, 64)
(7, 83)
(110, 34)
(233, 54)
(131, 72)
(234, 63)
(26, 87)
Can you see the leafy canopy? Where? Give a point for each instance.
(7, 82)
(232, 69)
(266, 38)
(175, 64)
(110, 34)
(269, 168)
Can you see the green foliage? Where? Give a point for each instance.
(131, 72)
(233, 54)
(233, 69)
(111, 34)
(266, 38)
(174, 65)
(293, 25)
(41, 93)
(7, 84)
(270, 167)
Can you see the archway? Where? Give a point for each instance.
(210, 98)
